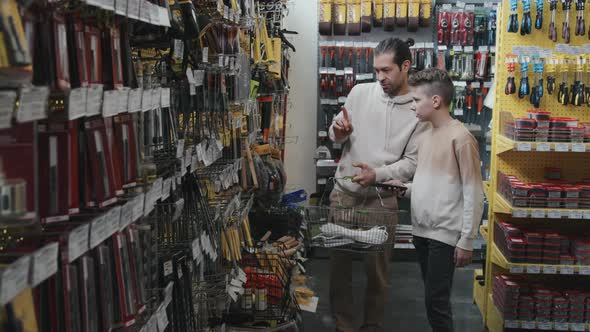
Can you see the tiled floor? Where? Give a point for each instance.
(405, 311)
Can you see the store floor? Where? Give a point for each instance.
(405, 310)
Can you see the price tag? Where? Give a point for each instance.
(458, 111)
(126, 215)
(121, 7)
(78, 242)
(7, 104)
(562, 326)
(516, 269)
(164, 17)
(585, 271)
(543, 147)
(511, 324)
(98, 230)
(199, 77)
(528, 324)
(586, 215)
(155, 14)
(180, 148)
(578, 327)
(156, 97)
(162, 317)
(523, 147)
(168, 293)
(133, 9)
(550, 269)
(165, 101)
(554, 214)
(113, 220)
(579, 147)
(110, 105)
(134, 101)
(562, 147)
(533, 269)
(520, 213)
(32, 104)
(192, 89)
(545, 325)
(124, 100)
(575, 214)
(568, 270)
(168, 269)
(538, 214)
(76, 103)
(44, 263)
(205, 55)
(322, 181)
(94, 97)
(15, 278)
(146, 100)
(138, 202)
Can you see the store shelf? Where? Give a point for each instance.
(502, 206)
(518, 268)
(505, 144)
(479, 292)
(497, 324)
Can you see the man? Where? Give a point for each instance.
(447, 194)
(380, 135)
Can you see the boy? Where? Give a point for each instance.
(447, 194)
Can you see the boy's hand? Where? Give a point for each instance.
(367, 175)
(342, 127)
(462, 257)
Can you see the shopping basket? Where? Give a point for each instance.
(349, 228)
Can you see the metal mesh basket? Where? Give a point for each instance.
(354, 229)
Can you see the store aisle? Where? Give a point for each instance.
(406, 310)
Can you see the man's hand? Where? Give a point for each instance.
(342, 127)
(367, 175)
(462, 257)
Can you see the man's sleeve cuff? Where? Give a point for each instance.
(465, 243)
(381, 175)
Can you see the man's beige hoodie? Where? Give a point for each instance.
(385, 136)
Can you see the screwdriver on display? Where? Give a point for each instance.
(551, 75)
(578, 88)
(564, 95)
(552, 27)
(539, 18)
(511, 60)
(566, 30)
(513, 21)
(527, 22)
(524, 89)
(580, 21)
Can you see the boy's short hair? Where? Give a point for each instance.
(438, 81)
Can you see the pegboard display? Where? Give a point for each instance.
(530, 166)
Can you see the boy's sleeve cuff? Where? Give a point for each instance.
(465, 243)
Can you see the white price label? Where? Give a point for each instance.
(110, 105)
(146, 100)
(533, 269)
(78, 242)
(528, 324)
(180, 148)
(168, 268)
(538, 214)
(575, 214)
(199, 77)
(7, 104)
(138, 203)
(543, 147)
(562, 147)
(164, 17)
(578, 327)
(566, 270)
(32, 104)
(192, 89)
(554, 214)
(545, 326)
(134, 101)
(550, 269)
(45, 261)
(579, 147)
(205, 54)
(124, 100)
(133, 9)
(165, 101)
(322, 181)
(562, 326)
(98, 230)
(121, 7)
(516, 269)
(458, 111)
(586, 215)
(94, 100)
(126, 215)
(15, 278)
(113, 220)
(511, 324)
(585, 271)
(156, 97)
(520, 213)
(523, 147)
(77, 103)
(155, 14)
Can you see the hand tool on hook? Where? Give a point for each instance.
(552, 27)
(513, 21)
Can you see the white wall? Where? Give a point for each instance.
(302, 108)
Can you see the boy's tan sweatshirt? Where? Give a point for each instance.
(447, 191)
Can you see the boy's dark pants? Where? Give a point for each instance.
(437, 264)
